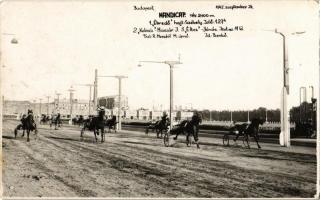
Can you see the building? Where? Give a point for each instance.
(143, 114)
(111, 102)
(183, 115)
(63, 106)
(131, 114)
(11, 107)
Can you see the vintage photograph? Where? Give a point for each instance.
(159, 99)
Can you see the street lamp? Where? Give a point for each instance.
(48, 97)
(58, 99)
(171, 65)
(231, 116)
(266, 115)
(312, 91)
(302, 101)
(71, 90)
(90, 88)
(119, 99)
(40, 106)
(13, 41)
(285, 125)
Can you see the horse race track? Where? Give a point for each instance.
(132, 164)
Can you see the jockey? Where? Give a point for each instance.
(101, 111)
(164, 118)
(23, 119)
(58, 118)
(195, 121)
(30, 115)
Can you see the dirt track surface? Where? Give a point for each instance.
(131, 164)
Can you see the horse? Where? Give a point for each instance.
(112, 123)
(238, 129)
(191, 129)
(153, 126)
(179, 129)
(95, 124)
(162, 127)
(56, 120)
(251, 130)
(28, 124)
(74, 120)
(78, 121)
(44, 119)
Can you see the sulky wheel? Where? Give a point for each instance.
(226, 140)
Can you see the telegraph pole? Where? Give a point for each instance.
(231, 115)
(71, 90)
(58, 96)
(48, 97)
(284, 137)
(40, 106)
(171, 64)
(95, 90)
(119, 98)
(90, 89)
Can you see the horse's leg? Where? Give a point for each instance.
(28, 132)
(256, 139)
(176, 137)
(95, 134)
(81, 133)
(247, 140)
(102, 135)
(23, 133)
(195, 136)
(15, 133)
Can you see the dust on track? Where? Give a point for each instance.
(136, 165)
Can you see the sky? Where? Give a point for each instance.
(61, 43)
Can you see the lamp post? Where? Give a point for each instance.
(266, 115)
(231, 116)
(90, 89)
(48, 97)
(95, 90)
(312, 91)
(285, 124)
(40, 106)
(13, 41)
(58, 99)
(71, 90)
(119, 98)
(171, 65)
(302, 101)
